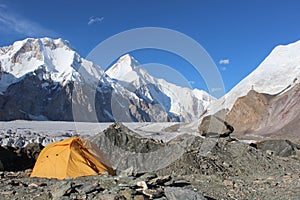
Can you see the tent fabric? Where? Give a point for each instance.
(71, 158)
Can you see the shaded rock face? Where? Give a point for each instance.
(123, 137)
(214, 126)
(16, 159)
(33, 98)
(128, 151)
(266, 115)
(141, 111)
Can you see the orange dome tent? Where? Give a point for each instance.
(72, 157)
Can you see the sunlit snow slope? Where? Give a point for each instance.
(277, 73)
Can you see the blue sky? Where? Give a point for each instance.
(237, 34)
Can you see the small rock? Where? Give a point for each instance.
(28, 172)
(227, 165)
(269, 152)
(271, 178)
(160, 180)
(257, 182)
(287, 177)
(43, 184)
(169, 183)
(148, 176)
(124, 185)
(142, 184)
(151, 193)
(228, 183)
(177, 183)
(33, 185)
(61, 190)
(139, 197)
(119, 197)
(7, 192)
(213, 126)
(86, 189)
(127, 193)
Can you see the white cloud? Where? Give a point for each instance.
(216, 89)
(93, 20)
(12, 23)
(224, 62)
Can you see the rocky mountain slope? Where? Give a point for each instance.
(46, 79)
(267, 115)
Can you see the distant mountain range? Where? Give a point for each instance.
(46, 79)
(38, 78)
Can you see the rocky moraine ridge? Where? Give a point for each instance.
(207, 168)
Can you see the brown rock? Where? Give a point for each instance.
(248, 112)
(139, 197)
(267, 115)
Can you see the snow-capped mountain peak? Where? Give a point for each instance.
(57, 59)
(124, 69)
(187, 104)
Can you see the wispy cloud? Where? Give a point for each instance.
(224, 62)
(93, 20)
(2, 5)
(15, 24)
(192, 82)
(216, 89)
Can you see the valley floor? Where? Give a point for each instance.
(19, 133)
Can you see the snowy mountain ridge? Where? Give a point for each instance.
(277, 73)
(49, 69)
